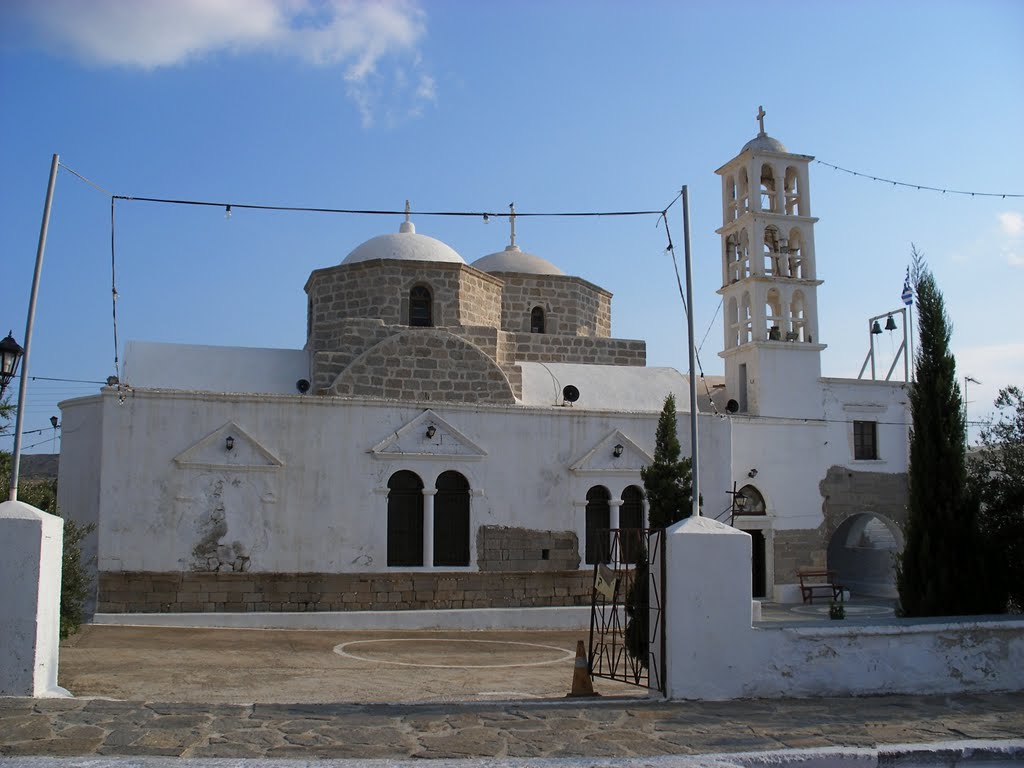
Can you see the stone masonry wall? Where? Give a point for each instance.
(844, 492)
(146, 592)
(547, 348)
(522, 549)
(432, 365)
(571, 305)
(379, 290)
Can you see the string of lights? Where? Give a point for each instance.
(918, 186)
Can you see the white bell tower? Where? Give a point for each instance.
(769, 281)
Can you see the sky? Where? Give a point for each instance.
(562, 105)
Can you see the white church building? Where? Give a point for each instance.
(420, 450)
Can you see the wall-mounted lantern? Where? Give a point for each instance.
(229, 442)
(431, 431)
(617, 450)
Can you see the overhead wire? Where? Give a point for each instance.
(918, 186)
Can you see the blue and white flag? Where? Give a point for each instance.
(908, 293)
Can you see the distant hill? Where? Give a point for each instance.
(39, 465)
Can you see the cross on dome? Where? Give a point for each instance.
(408, 209)
(512, 222)
(760, 118)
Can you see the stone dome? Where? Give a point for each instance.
(763, 143)
(405, 245)
(514, 260)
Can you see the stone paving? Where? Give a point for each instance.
(598, 728)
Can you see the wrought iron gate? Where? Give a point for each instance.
(627, 627)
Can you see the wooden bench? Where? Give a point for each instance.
(819, 582)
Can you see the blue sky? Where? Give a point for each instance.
(472, 105)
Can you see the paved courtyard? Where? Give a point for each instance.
(200, 693)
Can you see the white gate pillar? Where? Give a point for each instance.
(30, 567)
(709, 636)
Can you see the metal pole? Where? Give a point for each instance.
(694, 460)
(16, 456)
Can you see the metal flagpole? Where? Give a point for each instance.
(16, 456)
(695, 464)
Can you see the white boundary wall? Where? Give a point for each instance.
(715, 653)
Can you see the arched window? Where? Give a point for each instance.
(733, 339)
(631, 520)
(730, 205)
(768, 199)
(795, 257)
(743, 197)
(773, 315)
(405, 519)
(451, 520)
(746, 321)
(754, 501)
(597, 523)
(744, 255)
(421, 307)
(537, 320)
(797, 318)
(792, 187)
(771, 251)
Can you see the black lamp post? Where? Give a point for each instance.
(10, 357)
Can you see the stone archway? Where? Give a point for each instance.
(862, 551)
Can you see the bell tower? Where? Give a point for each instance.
(769, 280)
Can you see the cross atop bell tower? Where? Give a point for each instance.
(769, 276)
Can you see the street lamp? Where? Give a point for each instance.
(10, 357)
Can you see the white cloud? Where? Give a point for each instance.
(357, 35)
(1012, 223)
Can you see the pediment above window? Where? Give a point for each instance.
(602, 459)
(428, 436)
(228, 447)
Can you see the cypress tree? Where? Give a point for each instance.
(667, 482)
(938, 572)
(668, 486)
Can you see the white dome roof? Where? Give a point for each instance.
(514, 260)
(405, 245)
(763, 143)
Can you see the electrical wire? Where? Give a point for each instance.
(376, 212)
(918, 186)
(87, 181)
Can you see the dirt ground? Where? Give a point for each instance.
(243, 666)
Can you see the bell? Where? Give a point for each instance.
(876, 328)
(890, 323)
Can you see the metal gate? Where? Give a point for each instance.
(627, 627)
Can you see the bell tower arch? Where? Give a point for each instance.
(769, 287)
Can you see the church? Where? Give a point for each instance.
(463, 433)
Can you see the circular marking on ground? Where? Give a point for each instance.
(852, 611)
(417, 649)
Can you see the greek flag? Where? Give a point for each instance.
(908, 293)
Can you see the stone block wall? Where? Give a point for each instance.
(571, 305)
(147, 592)
(547, 348)
(419, 364)
(379, 290)
(522, 549)
(804, 548)
(846, 492)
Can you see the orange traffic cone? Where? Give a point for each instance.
(582, 685)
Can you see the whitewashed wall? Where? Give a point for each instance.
(301, 490)
(714, 652)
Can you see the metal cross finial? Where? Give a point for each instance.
(760, 118)
(407, 209)
(512, 221)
